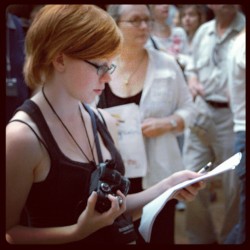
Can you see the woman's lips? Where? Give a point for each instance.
(98, 91)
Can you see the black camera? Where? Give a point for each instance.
(106, 180)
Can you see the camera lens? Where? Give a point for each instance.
(105, 187)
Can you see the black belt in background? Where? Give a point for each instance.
(218, 104)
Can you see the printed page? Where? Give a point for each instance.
(130, 139)
(152, 209)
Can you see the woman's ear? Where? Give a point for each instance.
(58, 62)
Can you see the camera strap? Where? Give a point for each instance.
(94, 126)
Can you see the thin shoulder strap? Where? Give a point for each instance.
(38, 137)
(105, 125)
(36, 115)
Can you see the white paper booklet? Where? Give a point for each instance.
(130, 139)
(152, 209)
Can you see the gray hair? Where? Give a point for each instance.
(115, 11)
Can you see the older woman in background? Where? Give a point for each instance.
(154, 81)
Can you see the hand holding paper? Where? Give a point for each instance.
(151, 210)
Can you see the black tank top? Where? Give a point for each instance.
(109, 99)
(62, 196)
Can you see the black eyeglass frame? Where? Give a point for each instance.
(137, 23)
(102, 69)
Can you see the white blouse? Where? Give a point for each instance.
(165, 93)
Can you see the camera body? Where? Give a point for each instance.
(106, 180)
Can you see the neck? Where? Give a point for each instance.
(223, 22)
(58, 97)
(130, 57)
(130, 66)
(65, 122)
(190, 35)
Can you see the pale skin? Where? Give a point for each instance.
(73, 80)
(190, 21)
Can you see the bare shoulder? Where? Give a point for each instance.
(23, 156)
(22, 144)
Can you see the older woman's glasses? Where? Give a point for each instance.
(137, 22)
(102, 69)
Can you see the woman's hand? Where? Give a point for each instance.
(152, 127)
(91, 220)
(188, 193)
(195, 87)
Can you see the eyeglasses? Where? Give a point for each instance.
(102, 69)
(137, 22)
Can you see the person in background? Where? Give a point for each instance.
(173, 40)
(212, 138)
(16, 89)
(168, 38)
(173, 19)
(237, 94)
(51, 143)
(153, 80)
(191, 17)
